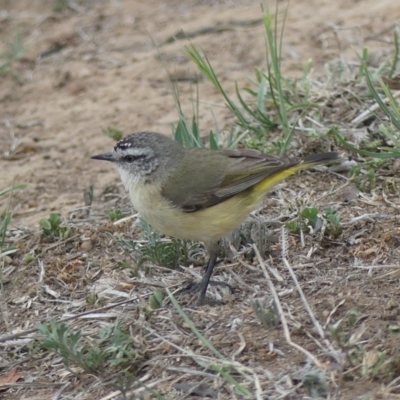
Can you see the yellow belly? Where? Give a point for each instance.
(207, 225)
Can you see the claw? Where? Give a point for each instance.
(205, 281)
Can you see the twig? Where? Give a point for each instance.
(221, 27)
(57, 395)
(317, 325)
(30, 331)
(370, 111)
(282, 315)
(370, 217)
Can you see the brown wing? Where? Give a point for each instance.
(251, 168)
(219, 176)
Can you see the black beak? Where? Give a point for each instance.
(105, 157)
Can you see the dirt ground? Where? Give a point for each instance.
(97, 65)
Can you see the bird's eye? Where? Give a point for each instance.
(129, 158)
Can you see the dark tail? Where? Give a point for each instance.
(322, 158)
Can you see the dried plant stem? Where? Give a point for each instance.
(282, 315)
(317, 325)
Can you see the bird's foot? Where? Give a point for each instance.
(195, 287)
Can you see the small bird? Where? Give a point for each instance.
(196, 193)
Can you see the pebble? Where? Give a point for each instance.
(86, 245)
(7, 260)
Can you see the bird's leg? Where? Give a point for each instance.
(205, 281)
(203, 285)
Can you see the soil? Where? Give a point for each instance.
(100, 64)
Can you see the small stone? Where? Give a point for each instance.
(271, 202)
(7, 260)
(86, 245)
(32, 203)
(76, 88)
(391, 304)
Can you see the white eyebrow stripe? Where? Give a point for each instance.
(133, 151)
(123, 145)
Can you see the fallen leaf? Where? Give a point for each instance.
(393, 83)
(7, 379)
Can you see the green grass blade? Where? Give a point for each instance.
(256, 114)
(204, 65)
(193, 327)
(275, 77)
(384, 155)
(394, 112)
(228, 377)
(213, 141)
(396, 54)
(12, 188)
(5, 217)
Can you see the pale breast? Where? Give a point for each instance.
(208, 225)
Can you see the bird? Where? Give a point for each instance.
(199, 194)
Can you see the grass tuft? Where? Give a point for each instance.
(112, 349)
(53, 228)
(13, 54)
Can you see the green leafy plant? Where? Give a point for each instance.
(274, 101)
(166, 254)
(15, 52)
(114, 215)
(60, 5)
(293, 226)
(309, 219)
(156, 299)
(52, 227)
(5, 219)
(267, 314)
(309, 216)
(112, 348)
(113, 133)
(364, 177)
(169, 254)
(333, 222)
(390, 129)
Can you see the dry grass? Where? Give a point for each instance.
(313, 315)
(334, 333)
